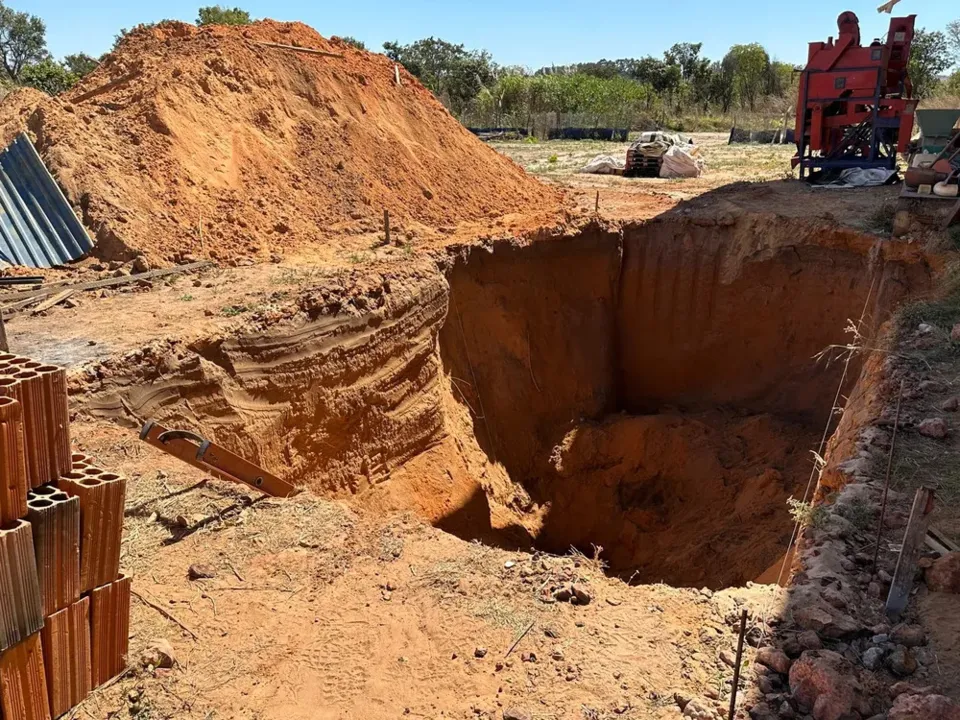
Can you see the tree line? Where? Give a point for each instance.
(628, 92)
(637, 92)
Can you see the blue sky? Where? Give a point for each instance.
(518, 32)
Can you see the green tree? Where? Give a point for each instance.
(929, 58)
(953, 36)
(687, 56)
(752, 66)
(723, 82)
(452, 73)
(80, 64)
(219, 15)
(49, 76)
(359, 44)
(23, 40)
(951, 86)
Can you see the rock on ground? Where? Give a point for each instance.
(774, 659)
(902, 662)
(698, 709)
(823, 682)
(873, 658)
(924, 707)
(933, 428)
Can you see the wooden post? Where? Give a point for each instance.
(386, 227)
(3, 336)
(736, 668)
(910, 553)
(396, 73)
(597, 207)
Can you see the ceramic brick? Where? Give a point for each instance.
(13, 469)
(67, 655)
(101, 498)
(55, 518)
(56, 418)
(39, 467)
(23, 684)
(109, 630)
(21, 611)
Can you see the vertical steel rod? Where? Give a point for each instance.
(597, 207)
(886, 484)
(736, 668)
(386, 227)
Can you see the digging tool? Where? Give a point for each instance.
(214, 459)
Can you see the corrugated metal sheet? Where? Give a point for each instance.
(38, 228)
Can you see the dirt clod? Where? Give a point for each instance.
(944, 575)
(201, 572)
(159, 654)
(514, 714)
(909, 636)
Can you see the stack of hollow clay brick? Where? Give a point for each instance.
(64, 605)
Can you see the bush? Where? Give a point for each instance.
(808, 514)
(49, 76)
(358, 44)
(217, 15)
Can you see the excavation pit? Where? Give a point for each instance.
(652, 390)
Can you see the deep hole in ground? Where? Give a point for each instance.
(651, 391)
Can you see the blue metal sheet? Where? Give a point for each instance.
(38, 228)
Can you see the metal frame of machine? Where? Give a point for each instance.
(854, 105)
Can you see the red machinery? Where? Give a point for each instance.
(854, 107)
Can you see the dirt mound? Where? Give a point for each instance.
(206, 142)
(15, 109)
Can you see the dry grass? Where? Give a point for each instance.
(935, 357)
(746, 162)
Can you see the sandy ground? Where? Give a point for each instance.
(631, 198)
(317, 611)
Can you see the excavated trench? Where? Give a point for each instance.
(652, 391)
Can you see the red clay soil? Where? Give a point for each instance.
(205, 142)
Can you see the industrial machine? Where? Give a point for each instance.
(855, 106)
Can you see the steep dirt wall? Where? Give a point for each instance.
(334, 398)
(718, 314)
(530, 341)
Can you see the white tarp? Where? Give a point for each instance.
(682, 161)
(603, 165)
(861, 177)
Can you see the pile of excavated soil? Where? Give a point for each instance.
(205, 142)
